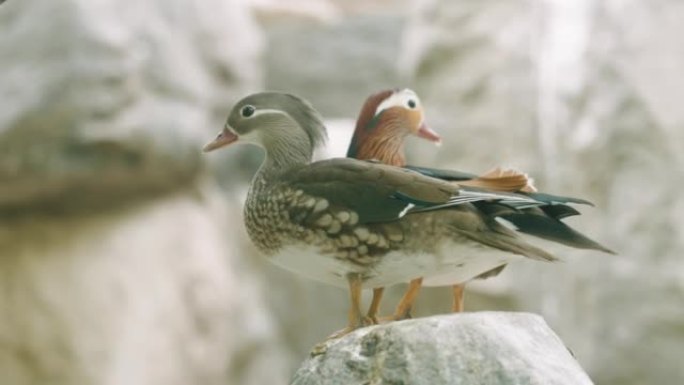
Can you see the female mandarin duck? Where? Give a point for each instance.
(387, 118)
(359, 224)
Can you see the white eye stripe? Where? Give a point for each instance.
(262, 111)
(257, 112)
(398, 99)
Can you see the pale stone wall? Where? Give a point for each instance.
(119, 261)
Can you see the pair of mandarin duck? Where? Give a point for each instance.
(370, 220)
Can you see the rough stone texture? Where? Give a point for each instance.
(107, 99)
(470, 348)
(335, 64)
(138, 294)
(119, 262)
(471, 64)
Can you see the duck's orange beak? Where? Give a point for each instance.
(223, 139)
(426, 132)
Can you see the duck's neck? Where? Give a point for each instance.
(383, 143)
(282, 154)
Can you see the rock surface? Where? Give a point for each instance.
(471, 348)
(148, 293)
(107, 101)
(344, 61)
(119, 260)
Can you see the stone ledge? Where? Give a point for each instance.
(468, 348)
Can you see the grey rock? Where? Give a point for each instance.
(469, 348)
(467, 62)
(105, 102)
(337, 64)
(151, 293)
(118, 262)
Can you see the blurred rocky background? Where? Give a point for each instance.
(123, 259)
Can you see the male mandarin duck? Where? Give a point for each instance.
(360, 224)
(387, 118)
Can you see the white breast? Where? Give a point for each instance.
(307, 261)
(473, 262)
(455, 263)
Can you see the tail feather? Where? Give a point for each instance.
(506, 240)
(471, 195)
(557, 199)
(559, 211)
(511, 195)
(552, 229)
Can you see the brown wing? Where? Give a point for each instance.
(340, 196)
(381, 193)
(376, 192)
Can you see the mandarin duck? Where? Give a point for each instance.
(360, 224)
(387, 118)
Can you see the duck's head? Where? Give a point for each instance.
(390, 114)
(278, 122)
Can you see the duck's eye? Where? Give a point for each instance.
(411, 103)
(247, 111)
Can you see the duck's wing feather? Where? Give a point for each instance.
(540, 225)
(449, 175)
(498, 179)
(540, 218)
(381, 193)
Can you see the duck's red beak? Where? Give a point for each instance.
(426, 132)
(223, 139)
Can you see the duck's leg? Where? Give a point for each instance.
(459, 298)
(356, 318)
(372, 314)
(403, 310)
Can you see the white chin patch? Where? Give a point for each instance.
(252, 137)
(399, 99)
